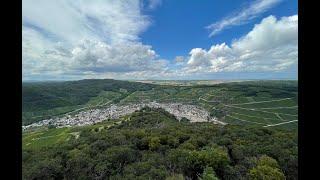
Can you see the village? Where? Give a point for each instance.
(191, 112)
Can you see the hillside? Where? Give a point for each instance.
(260, 103)
(113, 139)
(152, 144)
(46, 99)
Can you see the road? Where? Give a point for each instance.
(257, 102)
(251, 109)
(245, 120)
(280, 123)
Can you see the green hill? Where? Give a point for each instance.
(260, 103)
(45, 99)
(152, 144)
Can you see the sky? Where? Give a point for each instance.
(159, 39)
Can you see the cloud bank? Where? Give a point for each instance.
(66, 37)
(76, 39)
(270, 46)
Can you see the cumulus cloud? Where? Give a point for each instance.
(76, 39)
(179, 59)
(271, 45)
(96, 56)
(243, 16)
(80, 38)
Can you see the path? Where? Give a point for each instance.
(257, 102)
(33, 139)
(277, 114)
(251, 109)
(200, 98)
(252, 116)
(75, 110)
(259, 110)
(288, 107)
(280, 123)
(245, 120)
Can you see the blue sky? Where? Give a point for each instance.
(159, 39)
(179, 25)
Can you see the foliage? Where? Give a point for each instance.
(209, 174)
(267, 168)
(155, 145)
(41, 97)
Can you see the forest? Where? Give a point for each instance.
(153, 144)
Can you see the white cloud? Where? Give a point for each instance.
(76, 39)
(69, 20)
(97, 57)
(179, 59)
(243, 16)
(271, 45)
(93, 57)
(80, 38)
(34, 46)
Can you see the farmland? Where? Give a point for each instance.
(256, 103)
(259, 103)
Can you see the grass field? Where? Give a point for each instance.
(44, 137)
(104, 98)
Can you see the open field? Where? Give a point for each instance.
(44, 137)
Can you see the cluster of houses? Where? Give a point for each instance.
(191, 112)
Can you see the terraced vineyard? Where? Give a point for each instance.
(260, 103)
(262, 107)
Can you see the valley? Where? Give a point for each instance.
(267, 103)
(191, 112)
(109, 129)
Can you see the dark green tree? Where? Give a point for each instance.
(209, 174)
(267, 168)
